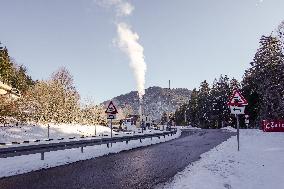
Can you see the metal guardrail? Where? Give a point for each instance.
(42, 148)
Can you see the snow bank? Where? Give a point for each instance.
(258, 164)
(22, 164)
(229, 128)
(39, 132)
(188, 127)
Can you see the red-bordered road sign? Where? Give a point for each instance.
(111, 109)
(273, 125)
(237, 99)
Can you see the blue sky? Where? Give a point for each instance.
(186, 41)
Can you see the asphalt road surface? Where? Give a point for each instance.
(143, 167)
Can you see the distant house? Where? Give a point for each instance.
(132, 119)
(146, 119)
(137, 120)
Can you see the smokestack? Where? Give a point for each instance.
(140, 108)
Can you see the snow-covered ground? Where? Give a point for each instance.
(39, 132)
(22, 164)
(62, 132)
(229, 128)
(259, 164)
(189, 127)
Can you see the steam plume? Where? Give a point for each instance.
(121, 7)
(128, 43)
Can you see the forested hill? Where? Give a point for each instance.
(155, 101)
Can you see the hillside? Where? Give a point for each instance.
(155, 101)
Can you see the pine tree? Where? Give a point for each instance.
(203, 107)
(192, 112)
(280, 34)
(264, 81)
(164, 118)
(180, 117)
(6, 67)
(13, 75)
(219, 96)
(21, 80)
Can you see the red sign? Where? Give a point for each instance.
(273, 126)
(111, 109)
(237, 99)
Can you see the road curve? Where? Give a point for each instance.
(143, 167)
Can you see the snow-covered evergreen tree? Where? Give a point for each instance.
(264, 81)
(280, 34)
(181, 115)
(203, 105)
(219, 96)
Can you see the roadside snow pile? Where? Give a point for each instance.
(188, 127)
(258, 164)
(38, 132)
(26, 163)
(229, 128)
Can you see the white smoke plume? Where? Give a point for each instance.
(259, 2)
(122, 7)
(128, 43)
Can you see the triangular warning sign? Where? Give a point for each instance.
(237, 99)
(111, 109)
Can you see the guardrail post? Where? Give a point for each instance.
(82, 149)
(126, 142)
(164, 136)
(107, 145)
(42, 156)
(140, 140)
(48, 130)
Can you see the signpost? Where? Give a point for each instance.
(237, 105)
(111, 112)
(247, 120)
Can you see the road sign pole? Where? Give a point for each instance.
(237, 105)
(238, 131)
(111, 128)
(111, 112)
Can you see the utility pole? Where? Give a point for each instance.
(185, 119)
(168, 113)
